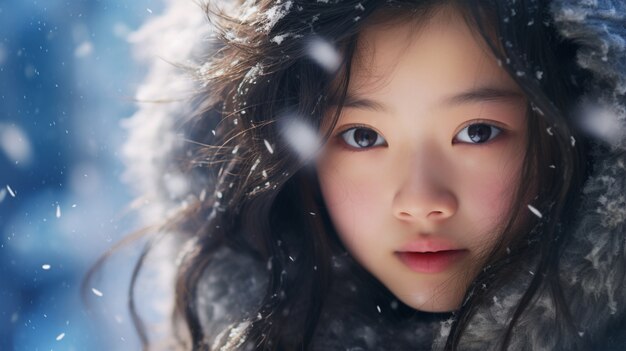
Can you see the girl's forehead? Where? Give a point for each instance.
(439, 54)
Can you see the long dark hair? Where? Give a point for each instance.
(259, 191)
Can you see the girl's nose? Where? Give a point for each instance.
(424, 195)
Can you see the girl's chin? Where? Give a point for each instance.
(429, 302)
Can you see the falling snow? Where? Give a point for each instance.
(534, 211)
(15, 144)
(58, 212)
(324, 54)
(601, 121)
(536, 109)
(269, 264)
(96, 292)
(268, 146)
(45, 267)
(11, 192)
(301, 137)
(60, 336)
(84, 49)
(256, 163)
(3, 54)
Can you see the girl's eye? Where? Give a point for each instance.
(362, 138)
(478, 133)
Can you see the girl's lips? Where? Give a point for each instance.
(431, 262)
(431, 244)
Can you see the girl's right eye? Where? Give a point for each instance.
(362, 138)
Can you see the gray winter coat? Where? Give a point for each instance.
(593, 265)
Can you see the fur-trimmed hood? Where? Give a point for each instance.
(593, 265)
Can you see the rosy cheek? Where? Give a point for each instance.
(352, 200)
(488, 195)
(347, 200)
(496, 204)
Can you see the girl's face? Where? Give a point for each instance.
(421, 168)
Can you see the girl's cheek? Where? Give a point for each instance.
(490, 197)
(490, 189)
(352, 193)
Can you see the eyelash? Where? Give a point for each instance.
(354, 128)
(499, 130)
(340, 136)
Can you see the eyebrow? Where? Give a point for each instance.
(483, 94)
(474, 95)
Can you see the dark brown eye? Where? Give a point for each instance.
(478, 133)
(361, 138)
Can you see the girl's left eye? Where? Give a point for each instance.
(478, 133)
(362, 138)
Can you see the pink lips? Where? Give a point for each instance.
(430, 256)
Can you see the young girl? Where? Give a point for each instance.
(388, 175)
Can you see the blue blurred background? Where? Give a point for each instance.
(67, 78)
